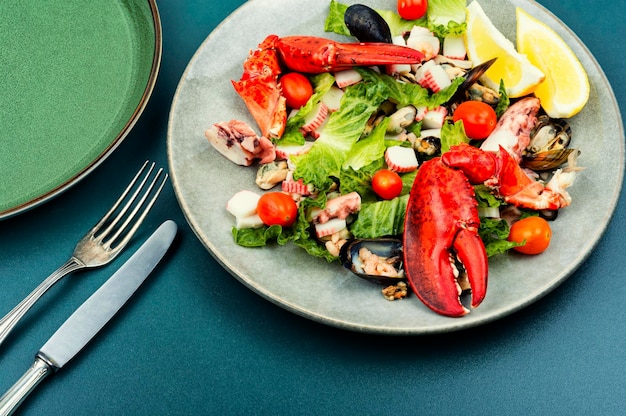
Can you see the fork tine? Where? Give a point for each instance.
(96, 228)
(111, 223)
(143, 214)
(126, 207)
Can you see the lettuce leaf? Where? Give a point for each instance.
(407, 181)
(381, 218)
(258, 237)
(360, 181)
(334, 20)
(494, 233)
(442, 12)
(398, 25)
(303, 232)
(339, 147)
(452, 134)
(368, 149)
(404, 93)
(486, 198)
(344, 127)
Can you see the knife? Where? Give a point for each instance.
(91, 316)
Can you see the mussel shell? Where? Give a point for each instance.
(365, 24)
(548, 160)
(427, 147)
(548, 214)
(472, 76)
(549, 134)
(383, 247)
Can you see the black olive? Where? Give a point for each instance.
(366, 24)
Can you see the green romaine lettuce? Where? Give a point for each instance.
(397, 25)
(338, 146)
(381, 218)
(485, 197)
(334, 20)
(368, 149)
(344, 127)
(258, 237)
(494, 233)
(452, 134)
(404, 93)
(442, 12)
(360, 181)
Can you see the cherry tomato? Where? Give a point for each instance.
(479, 119)
(412, 9)
(277, 208)
(297, 89)
(535, 230)
(387, 184)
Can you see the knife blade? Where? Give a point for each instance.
(91, 316)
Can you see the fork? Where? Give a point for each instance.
(103, 242)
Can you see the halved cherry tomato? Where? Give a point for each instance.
(412, 9)
(387, 184)
(479, 119)
(297, 89)
(535, 230)
(277, 208)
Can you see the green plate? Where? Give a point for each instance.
(75, 76)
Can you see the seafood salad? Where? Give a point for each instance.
(390, 154)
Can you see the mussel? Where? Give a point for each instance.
(378, 260)
(365, 24)
(548, 147)
(471, 78)
(427, 145)
(548, 134)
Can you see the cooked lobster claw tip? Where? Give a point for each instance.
(471, 252)
(441, 292)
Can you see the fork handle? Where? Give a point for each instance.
(11, 319)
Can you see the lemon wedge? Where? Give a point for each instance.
(565, 90)
(484, 41)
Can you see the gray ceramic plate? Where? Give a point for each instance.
(204, 181)
(75, 76)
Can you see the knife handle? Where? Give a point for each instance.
(22, 388)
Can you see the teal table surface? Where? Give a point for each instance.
(194, 340)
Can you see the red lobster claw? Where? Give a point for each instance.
(441, 221)
(314, 55)
(259, 87)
